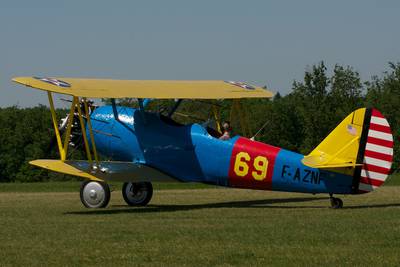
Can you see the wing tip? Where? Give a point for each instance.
(21, 80)
(270, 94)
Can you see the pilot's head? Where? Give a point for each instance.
(226, 126)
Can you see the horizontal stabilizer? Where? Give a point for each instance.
(324, 162)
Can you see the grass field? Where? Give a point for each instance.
(45, 224)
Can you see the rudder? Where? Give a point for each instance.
(375, 153)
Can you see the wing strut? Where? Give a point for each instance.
(96, 158)
(216, 110)
(83, 129)
(55, 125)
(63, 148)
(238, 110)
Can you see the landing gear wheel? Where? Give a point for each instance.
(336, 203)
(137, 194)
(95, 194)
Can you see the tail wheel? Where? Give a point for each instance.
(95, 194)
(336, 203)
(137, 194)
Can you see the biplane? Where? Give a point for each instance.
(138, 147)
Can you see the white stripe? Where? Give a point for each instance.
(379, 149)
(366, 187)
(380, 121)
(377, 162)
(374, 175)
(380, 135)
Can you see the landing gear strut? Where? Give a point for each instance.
(336, 203)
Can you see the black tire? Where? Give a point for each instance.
(96, 203)
(336, 203)
(137, 194)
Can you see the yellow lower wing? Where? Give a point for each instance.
(105, 170)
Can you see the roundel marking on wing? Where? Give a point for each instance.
(242, 85)
(53, 81)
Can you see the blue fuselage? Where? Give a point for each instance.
(190, 154)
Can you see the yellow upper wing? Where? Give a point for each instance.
(103, 88)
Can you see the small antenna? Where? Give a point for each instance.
(259, 131)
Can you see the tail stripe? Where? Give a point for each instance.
(380, 142)
(371, 181)
(373, 175)
(380, 128)
(380, 149)
(377, 162)
(380, 135)
(374, 168)
(378, 154)
(380, 121)
(376, 113)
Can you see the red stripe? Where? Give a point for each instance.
(379, 142)
(370, 181)
(380, 128)
(376, 113)
(373, 168)
(377, 155)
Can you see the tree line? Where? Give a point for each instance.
(297, 121)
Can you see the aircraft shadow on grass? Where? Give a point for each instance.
(263, 204)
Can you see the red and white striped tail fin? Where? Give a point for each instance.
(377, 153)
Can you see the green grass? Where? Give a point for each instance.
(199, 227)
(393, 179)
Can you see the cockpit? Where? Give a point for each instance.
(180, 113)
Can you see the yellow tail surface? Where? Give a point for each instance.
(361, 146)
(341, 146)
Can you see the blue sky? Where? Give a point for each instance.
(261, 42)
